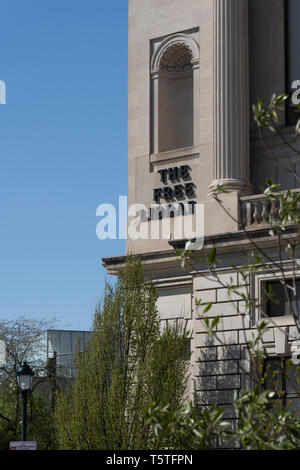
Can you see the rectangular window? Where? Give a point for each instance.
(283, 301)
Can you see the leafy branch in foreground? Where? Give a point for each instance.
(262, 424)
(188, 426)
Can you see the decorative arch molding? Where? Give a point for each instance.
(180, 39)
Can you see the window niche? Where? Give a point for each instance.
(174, 80)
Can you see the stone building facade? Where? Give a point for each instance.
(195, 68)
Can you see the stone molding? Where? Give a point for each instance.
(180, 38)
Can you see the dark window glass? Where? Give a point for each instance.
(283, 302)
(283, 378)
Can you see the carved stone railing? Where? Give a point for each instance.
(258, 211)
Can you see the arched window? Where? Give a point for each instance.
(173, 88)
(176, 99)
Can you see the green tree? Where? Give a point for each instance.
(128, 363)
(24, 340)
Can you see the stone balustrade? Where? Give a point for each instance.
(258, 211)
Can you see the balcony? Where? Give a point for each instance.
(259, 212)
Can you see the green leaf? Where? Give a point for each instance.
(212, 255)
(215, 322)
(208, 307)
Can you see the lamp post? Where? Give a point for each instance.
(24, 378)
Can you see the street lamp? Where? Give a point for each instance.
(24, 378)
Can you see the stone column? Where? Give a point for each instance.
(231, 96)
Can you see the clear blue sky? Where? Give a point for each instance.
(63, 143)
